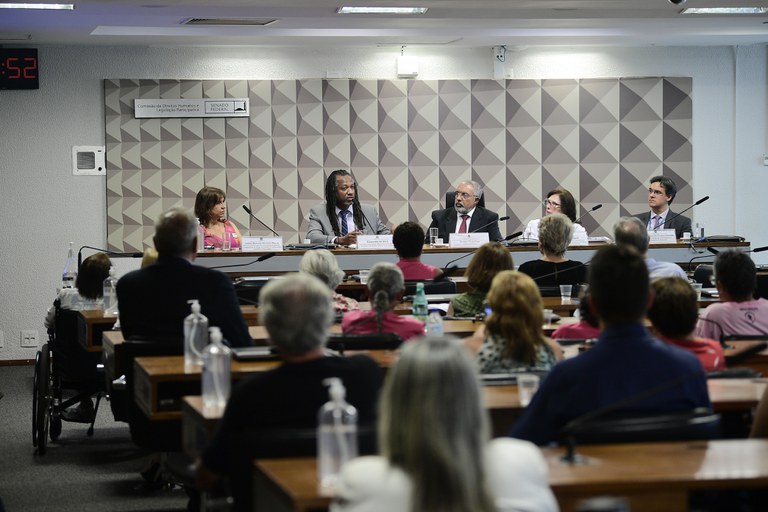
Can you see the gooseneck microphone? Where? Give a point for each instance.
(596, 207)
(676, 215)
(448, 270)
(248, 210)
(500, 219)
(756, 249)
(105, 251)
(257, 260)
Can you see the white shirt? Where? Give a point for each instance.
(459, 219)
(532, 230)
(350, 219)
(653, 223)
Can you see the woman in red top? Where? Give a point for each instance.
(408, 240)
(674, 314)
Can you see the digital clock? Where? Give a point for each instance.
(19, 68)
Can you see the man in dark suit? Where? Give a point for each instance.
(661, 193)
(466, 216)
(153, 300)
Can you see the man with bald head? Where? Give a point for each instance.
(466, 215)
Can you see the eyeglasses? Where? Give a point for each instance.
(655, 192)
(464, 195)
(551, 203)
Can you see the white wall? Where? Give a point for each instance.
(44, 207)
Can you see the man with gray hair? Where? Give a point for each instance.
(466, 215)
(297, 313)
(153, 300)
(630, 231)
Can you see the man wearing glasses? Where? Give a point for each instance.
(466, 216)
(661, 193)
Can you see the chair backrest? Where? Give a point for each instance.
(450, 199)
(431, 287)
(704, 274)
(247, 290)
(376, 341)
(549, 291)
(734, 373)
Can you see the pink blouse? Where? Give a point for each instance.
(212, 241)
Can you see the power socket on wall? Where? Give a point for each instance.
(29, 338)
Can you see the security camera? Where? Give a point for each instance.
(677, 2)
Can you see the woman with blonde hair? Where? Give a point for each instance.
(490, 259)
(435, 453)
(512, 340)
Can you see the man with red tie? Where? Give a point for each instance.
(466, 215)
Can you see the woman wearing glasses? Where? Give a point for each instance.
(558, 200)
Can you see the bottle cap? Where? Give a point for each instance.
(336, 391)
(195, 306)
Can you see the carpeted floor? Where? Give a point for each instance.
(100, 473)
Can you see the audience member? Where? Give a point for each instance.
(154, 300)
(558, 200)
(489, 260)
(385, 291)
(553, 268)
(322, 264)
(511, 339)
(291, 394)
(89, 288)
(586, 328)
(631, 231)
(466, 215)
(435, 453)
(211, 212)
(342, 217)
(738, 312)
(673, 315)
(149, 256)
(626, 363)
(409, 243)
(661, 193)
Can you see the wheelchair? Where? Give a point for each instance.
(65, 373)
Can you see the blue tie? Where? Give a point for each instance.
(344, 227)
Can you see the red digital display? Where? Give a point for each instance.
(19, 68)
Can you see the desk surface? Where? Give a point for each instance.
(655, 476)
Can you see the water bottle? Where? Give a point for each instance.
(195, 335)
(434, 324)
(200, 238)
(420, 306)
(217, 359)
(110, 294)
(336, 435)
(70, 271)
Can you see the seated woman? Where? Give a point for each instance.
(674, 314)
(553, 268)
(408, 240)
(322, 264)
(489, 260)
(210, 210)
(512, 340)
(435, 452)
(558, 200)
(385, 291)
(586, 328)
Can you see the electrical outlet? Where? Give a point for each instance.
(29, 338)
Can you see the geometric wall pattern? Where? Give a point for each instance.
(407, 142)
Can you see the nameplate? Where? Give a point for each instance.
(460, 240)
(662, 236)
(375, 242)
(580, 238)
(228, 107)
(262, 243)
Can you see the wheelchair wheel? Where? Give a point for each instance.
(35, 386)
(43, 399)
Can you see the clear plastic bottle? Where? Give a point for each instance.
(217, 360)
(420, 306)
(336, 435)
(434, 324)
(69, 273)
(200, 238)
(110, 294)
(195, 335)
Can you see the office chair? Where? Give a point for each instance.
(431, 287)
(704, 274)
(375, 341)
(247, 290)
(450, 199)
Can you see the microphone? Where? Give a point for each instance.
(248, 210)
(596, 207)
(449, 270)
(257, 260)
(676, 215)
(565, 271)
(756, 249)
(500, 219)
(105, 251)
(366, 221)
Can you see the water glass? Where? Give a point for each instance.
(565, 292)
(364, 276)
(432, 236)
(527, 385)
(697, 288)
(227, 243)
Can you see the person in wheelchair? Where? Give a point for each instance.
(87, 294)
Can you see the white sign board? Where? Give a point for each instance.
(469, 240)
(579, 238)
(375, 242)
(262, 243)
(227, 107)
(662, 236)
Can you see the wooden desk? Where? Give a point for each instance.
(656, 477)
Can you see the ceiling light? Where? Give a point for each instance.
(725, 10)
(382, 10)
(64, 7)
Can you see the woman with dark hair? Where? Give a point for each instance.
(385, 291)
(210, 210)
(408, 240)
(511, 340)
(586, 328)
(553, 268)
(88, 290)
(489, 260)
(558, 200)
(435, 450)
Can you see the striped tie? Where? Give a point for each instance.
(344, 227)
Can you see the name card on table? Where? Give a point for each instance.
(375, 242)
(470, 240)
(262, 243)
(580, 238)
(662, 236)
